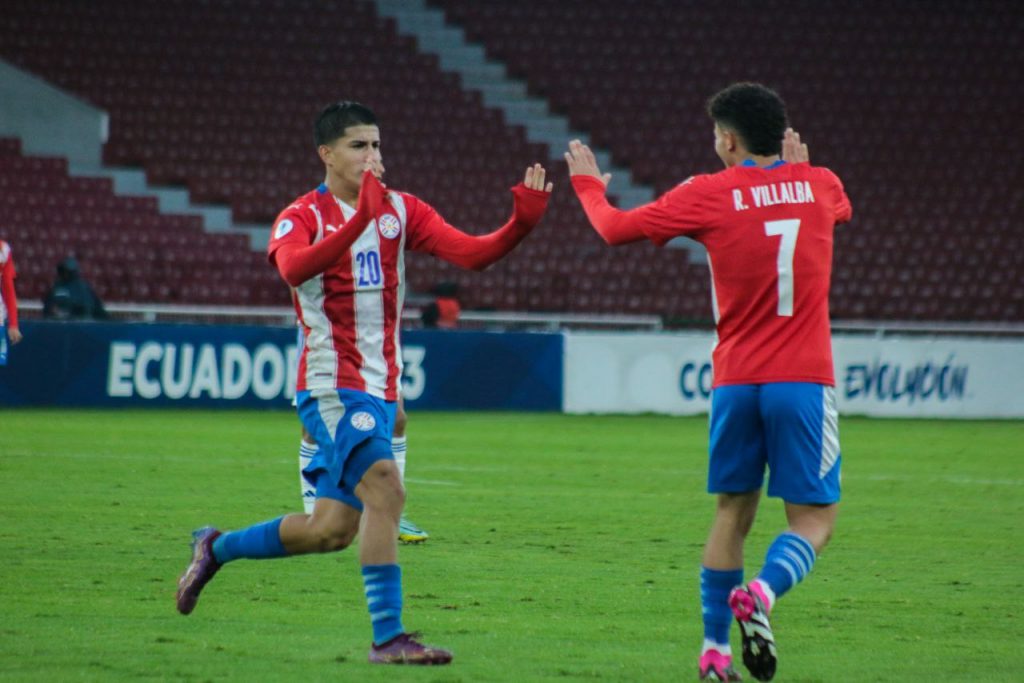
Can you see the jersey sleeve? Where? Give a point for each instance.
(429, 232)
(295, 226)
(680, 211)
(844, 210)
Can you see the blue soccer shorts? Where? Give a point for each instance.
(792, 428)
(3, 344)
(353, 430)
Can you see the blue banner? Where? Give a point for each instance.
(237, 366)
(452, 370)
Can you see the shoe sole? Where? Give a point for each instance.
(759, 653)
(188, 595)
(412, 662)
(712, 676)
(412, 540)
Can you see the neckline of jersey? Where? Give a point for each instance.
(322, 189)
(750, 163)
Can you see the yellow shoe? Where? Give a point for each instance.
(410, 533)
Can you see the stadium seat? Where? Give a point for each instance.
(236, 131)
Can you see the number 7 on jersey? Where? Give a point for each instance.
(788, 229)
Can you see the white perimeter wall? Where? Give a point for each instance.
(892, 376)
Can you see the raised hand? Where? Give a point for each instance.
(535, 179)
(583, 162)
(371, 193)
(376, 167)
(794, 151)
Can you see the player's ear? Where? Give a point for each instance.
(730, 140)
(325, 153)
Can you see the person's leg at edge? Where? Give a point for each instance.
(408, 532)
(308, 448)
(398, 440)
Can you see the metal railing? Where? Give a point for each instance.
(285, 315)
(518, 320)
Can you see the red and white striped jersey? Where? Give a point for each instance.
(8, 303)
(351, 313)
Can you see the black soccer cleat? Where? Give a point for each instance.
(759, 654)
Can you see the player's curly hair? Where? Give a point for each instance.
(335, 118)
(754, 112)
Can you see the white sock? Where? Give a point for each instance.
(768, 593)
(306, 453)
(725, 649)
(398, 448)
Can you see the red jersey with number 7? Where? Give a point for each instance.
(768, 233)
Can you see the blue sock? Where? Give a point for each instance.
(715, 585)
(790, 558)
(258, 542)
(383, 584)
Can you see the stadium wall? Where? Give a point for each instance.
(122, 365)
(217, 366)
(949, 377)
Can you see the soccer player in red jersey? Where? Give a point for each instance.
(8, 302)
(342, 248)
(408, 532)
(767, 226)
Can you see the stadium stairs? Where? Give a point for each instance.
(126, 247)
(231, 125)
(488, 76)
(909, 104)
(49, 121)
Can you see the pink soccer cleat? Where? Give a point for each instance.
(405, 649)
(200, 570)
(748, 606)
(714, 666)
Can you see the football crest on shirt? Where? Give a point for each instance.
(363, 421)
(283, 228)
(389, 226)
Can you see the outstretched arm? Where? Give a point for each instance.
(298, 263)
(680, 212)
(613, 225)
(476, 252)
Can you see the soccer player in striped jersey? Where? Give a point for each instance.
(341, 248)
(9, 329)
(767, 226)
(408, 532)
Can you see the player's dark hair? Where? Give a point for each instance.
(754, 112)
(335, 118)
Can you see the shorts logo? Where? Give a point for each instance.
(363, 421)
(389, 226)
(283, 228)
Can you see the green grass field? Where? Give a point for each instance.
(563, 548)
